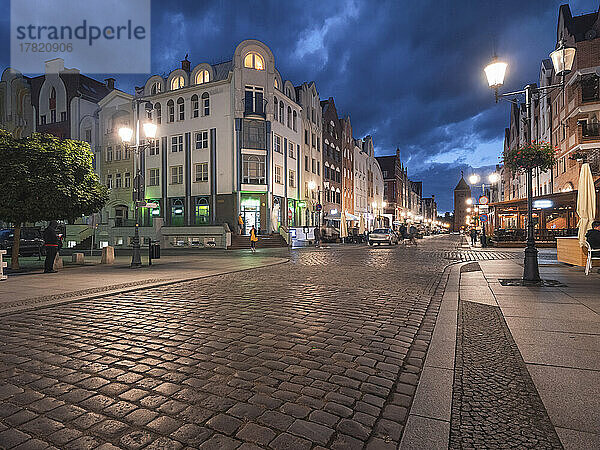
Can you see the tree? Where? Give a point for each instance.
(43, 177)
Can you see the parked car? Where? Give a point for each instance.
(31, 241)
(383, 236)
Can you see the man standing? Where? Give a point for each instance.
(593, 237)
(241, 224)
(51, 243)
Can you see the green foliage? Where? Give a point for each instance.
(44, 178)
(530, 156)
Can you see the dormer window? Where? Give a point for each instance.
(177, 83)
(254, 61)
(202, 77)
(156, 88)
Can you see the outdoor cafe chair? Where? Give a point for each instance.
(591, 258)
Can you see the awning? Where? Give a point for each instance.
(336, 216)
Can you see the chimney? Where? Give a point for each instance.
(110, 83)
(185, 64)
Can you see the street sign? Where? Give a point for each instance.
(151, 205)
(318, 207)
(483, 208)
(484, 200)
(483, 218)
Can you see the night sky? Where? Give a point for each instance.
(410, 73)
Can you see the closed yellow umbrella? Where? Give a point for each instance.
(361, 225)
(586, 202)
(343, 226)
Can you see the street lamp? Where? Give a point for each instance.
(494, 177)
(126, 135)
(562, 60)
(474, 179)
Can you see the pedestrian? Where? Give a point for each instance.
(52, 245)
(240, 224)
(473, 236)
(253, 239)
(317, 236)
(412, 233)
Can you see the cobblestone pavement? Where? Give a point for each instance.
(324, 351)
(495, 403)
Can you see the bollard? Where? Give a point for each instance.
(78, 258)
(58, 262)
(108, 255)
(3, 264)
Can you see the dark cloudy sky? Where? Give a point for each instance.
(407, 72)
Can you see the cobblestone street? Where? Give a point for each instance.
(322, 351)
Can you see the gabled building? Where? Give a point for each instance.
(347, 165)
(576, 114)
(332, 159)
(16, 112)
(312, 159)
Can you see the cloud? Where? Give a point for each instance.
(408, 73)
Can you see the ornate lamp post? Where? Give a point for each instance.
(562, 60)
(138, 182)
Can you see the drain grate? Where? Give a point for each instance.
(521, 282)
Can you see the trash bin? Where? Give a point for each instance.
(153, 251)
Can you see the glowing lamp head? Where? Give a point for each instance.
(125, 134)
(494, 177)
(562, 59)
(473, 178)
(150, 130)
(495, 72)
(469, 201)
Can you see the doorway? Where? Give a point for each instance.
(251, 216)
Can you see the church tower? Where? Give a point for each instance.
(462, 192)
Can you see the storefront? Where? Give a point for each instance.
(553, 216)
(250, 209)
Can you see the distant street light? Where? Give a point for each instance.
(474, 179)
(562, 60)
(494, 177)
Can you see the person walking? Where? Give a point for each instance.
(253, 239)
(317, 236)
(473, 237)
(412, 232)
(240, 224)
(52, 245)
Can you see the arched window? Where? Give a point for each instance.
(281, 112)
(205, 104)
(195, 106)
(52, 99)
(202, 211)
(52, 105)
(170, 111)
(275, 106)
(177, 82)
(157, 113)
(202, 77)
(254, 61)
(289, 117)
(276, 83)
(177, 212)
(294, 121)
(181, 108)
(156, 88)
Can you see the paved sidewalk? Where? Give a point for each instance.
(528, 344)
(35, 289)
